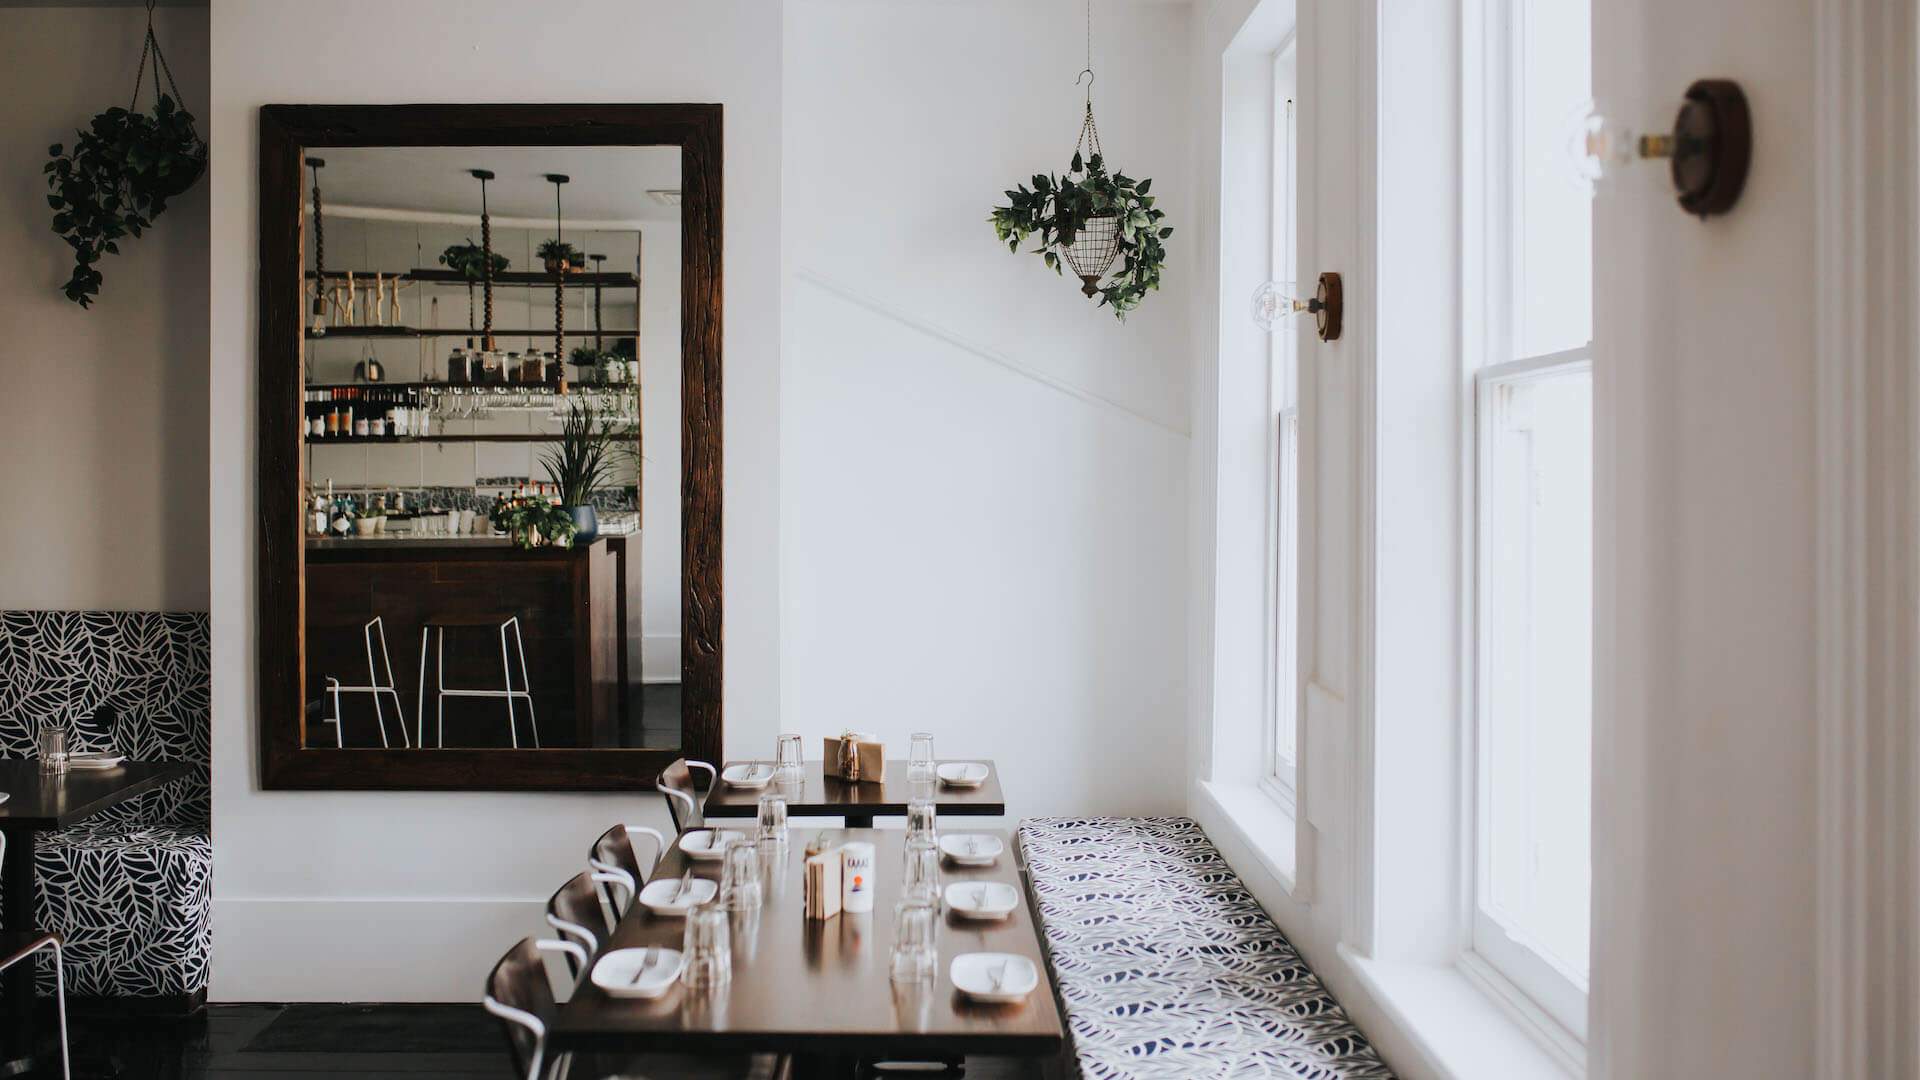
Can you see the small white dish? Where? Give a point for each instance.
(963, 774)
(625, 973)
(982, 899)
(748, 776)
(665, 896)
(94, 759)
(706, 845)
(4, 796)
(971, 849)
(994, 977)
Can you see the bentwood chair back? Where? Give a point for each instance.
(574, 910)
(616, 854)
(17, 946)
(521, 996)
(685, 804)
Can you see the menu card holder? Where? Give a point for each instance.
(856, 757)
(821, 892)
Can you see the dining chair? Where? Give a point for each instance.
(685, 805)
(520, 994)
(614, 853)
(574, 910)
(20, 945)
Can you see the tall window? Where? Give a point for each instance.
(1531, 259)
(1284, 439)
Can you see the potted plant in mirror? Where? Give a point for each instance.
(117, 181)
(588, 358)
(579, 465)
(560, 257)
(532, 522)
(469, 260)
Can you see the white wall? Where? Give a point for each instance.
(114, 522)
(315, 890)
(983, 475)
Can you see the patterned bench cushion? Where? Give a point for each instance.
(129, 888)
(1169, 969)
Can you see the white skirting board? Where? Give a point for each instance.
(419, 949)
(660, 658)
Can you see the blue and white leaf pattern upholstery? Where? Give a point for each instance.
(1169, 969)
(130, 889)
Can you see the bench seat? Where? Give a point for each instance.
(1168, 968)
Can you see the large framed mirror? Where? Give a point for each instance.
(490, 445)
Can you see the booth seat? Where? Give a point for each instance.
(1168, 968)
(129, 890)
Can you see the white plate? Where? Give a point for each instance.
(4, 796)
(971, 849)
(657, 897)
(963, 773)
(748, 777)
(95, 760)
(615, 973)
(982, 899)
(974, 974)
(707, 845)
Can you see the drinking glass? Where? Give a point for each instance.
(920, 757)
(53, 748)
(773, 819)
(914, 953)
(921, 821)
(709, 948)
(920, 878)
(787, 760)
(740, 877)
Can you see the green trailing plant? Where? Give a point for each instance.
(469, 260)
(580, 463)
(560, 256)
(1056, 209)
(532, 522)
(117, 181)
(586, 356)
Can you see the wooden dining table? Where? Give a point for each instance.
(820, 989)
(857, 803)
(36, 802)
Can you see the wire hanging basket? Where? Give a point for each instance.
(1091, 251)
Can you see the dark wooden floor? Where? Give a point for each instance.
(371, 1042)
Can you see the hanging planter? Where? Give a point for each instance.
(1089, 219)
(121, 173)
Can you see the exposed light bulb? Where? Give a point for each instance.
(1276, 301)
(1598, 147)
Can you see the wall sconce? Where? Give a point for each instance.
(1275, 302)
(1708, 150)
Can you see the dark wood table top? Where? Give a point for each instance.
(804, 986)
(39, 801)
(819, 795)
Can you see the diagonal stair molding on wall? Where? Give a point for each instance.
(984, 352)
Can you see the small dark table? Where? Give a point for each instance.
(820, 990)
(819, 795)
(36, 803)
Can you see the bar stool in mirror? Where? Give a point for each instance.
(617, 855)
(684, 804)
(374, 688)
(505, 625)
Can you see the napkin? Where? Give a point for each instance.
(821, 892)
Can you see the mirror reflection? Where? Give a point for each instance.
(492, 448)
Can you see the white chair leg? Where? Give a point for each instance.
(339, 739)
(388, 686)
(420, 694)
(373, 682)
(440, 688)
(506, 678)
(526, 681)
(60, 1007)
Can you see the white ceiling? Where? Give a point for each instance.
(608, 183)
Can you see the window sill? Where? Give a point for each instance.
(1465, 1023)
(1260, 821)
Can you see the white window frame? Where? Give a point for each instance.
(1491, 41)
(1279, 773)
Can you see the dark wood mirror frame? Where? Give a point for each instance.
(287, 134)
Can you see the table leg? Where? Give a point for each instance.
(857, 821)
(16, 983)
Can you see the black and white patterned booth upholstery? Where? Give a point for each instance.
(1169, 969)
(129, 889)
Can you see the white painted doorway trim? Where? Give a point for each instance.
(1867, 545)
